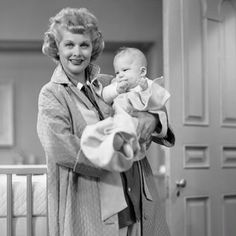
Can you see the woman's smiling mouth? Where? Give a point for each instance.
(76, 61)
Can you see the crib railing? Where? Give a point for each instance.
(28, 171)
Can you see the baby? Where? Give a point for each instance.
(131, 90)
(128, 92)
(130, 66)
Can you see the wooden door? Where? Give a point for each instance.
(200, 68)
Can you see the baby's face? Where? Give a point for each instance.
(126, 67)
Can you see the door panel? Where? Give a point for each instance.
(199, 59)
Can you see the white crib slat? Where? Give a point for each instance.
(27, 170)
(47, 208)
(9, 204)
(29, 205)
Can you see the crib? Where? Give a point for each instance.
(23, 200)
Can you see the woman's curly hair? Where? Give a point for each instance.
(75, 20)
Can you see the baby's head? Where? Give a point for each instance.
(130, 63)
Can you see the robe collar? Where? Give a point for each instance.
(59, 76)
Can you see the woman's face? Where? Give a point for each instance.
(75, 53)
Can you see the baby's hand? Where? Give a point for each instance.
(122, 85)
(120, 145)
(142, 82)
(118, 142)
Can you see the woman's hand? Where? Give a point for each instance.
(146, 125)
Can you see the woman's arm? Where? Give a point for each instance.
(55, 131)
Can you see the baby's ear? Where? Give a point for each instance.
(143, 71)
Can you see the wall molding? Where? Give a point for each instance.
(36, 45)
(20, 45)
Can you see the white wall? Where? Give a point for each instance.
(120, 21)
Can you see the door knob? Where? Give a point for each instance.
(180, 185)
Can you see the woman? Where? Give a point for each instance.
(84, 199)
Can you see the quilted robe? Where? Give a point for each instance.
(74, 194)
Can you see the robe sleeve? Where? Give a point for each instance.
(55, 131)
(163, 134)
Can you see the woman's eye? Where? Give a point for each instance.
(84, 45)
(69, 45)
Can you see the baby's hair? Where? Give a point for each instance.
(137, 54)
(75, 20)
